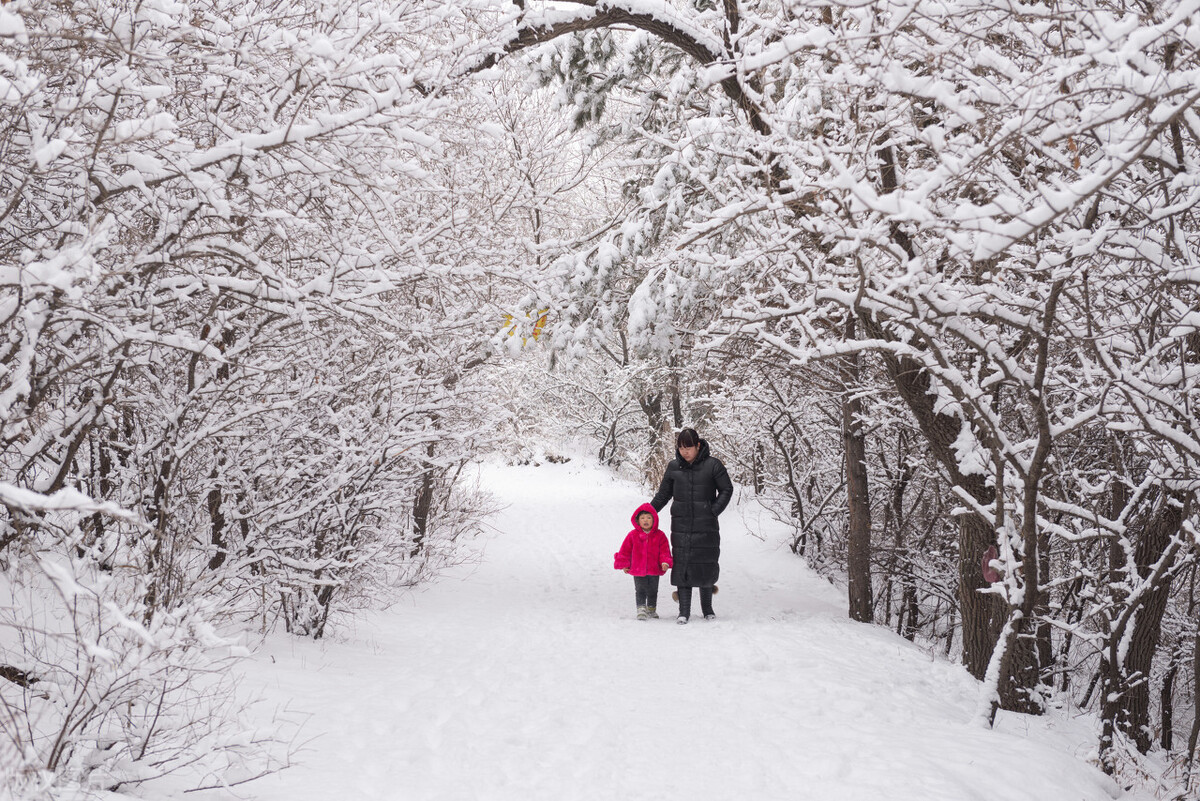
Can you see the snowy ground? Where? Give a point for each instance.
(526, 676)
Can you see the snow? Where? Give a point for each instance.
(65, 499)
(12, 26)
(526, 676)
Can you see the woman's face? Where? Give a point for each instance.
(689, 452)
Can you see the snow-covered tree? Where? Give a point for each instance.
(245, 312)
(998, 204)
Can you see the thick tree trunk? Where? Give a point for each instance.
(982, 615)
(1152, 543)
(658, 440)
(1194, 735)
(858, 550)
(1110, 704)
(1125, 677)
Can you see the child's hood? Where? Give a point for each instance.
(645, 507)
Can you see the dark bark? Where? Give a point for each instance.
(1028, 649)
(157, 589)
(324, 599)
(1124, 682)
(1153, 542)
(982, 614)
(658, 444)
(1072, 605)
(652, 407)
(422, 504)
(1194, 735)
(756, 468)
(858, 547)
(102, 490)
(608, 449)
(909, 616)
(777, 428)
(21, 678)
(528, 36)
(1167, 704)
(900, 565)
(1110, 704)
(217, 536)
(216, 516)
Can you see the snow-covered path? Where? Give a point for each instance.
(527, 677)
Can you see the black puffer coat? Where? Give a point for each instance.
(700, 491)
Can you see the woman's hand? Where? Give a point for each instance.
(665, 566)
(626, 570)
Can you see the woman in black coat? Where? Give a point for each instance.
(700, 489)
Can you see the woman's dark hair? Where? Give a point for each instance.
(687, 438)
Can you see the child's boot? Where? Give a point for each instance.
(651, 613)
(643, 613)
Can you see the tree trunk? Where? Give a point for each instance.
(1154, 541)
(676, 403)
(1110, 704)
(1167, 705)
(909, 612)
(422, 504)
(217, 535)
(1125, 678)
(1194, 735)
(759, 458)
(982, 615)
(658, 441)
(858, 550)
(216, 516)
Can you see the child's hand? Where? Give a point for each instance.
(665, 566)
(626, 570)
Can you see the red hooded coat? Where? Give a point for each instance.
(644, 552)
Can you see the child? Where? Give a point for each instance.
(646, 555)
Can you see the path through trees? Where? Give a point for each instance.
(527, 676)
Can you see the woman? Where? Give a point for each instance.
(700, 490)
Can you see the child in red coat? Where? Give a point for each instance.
(646, 555)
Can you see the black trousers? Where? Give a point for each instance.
(646, 590)
(685, 600)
